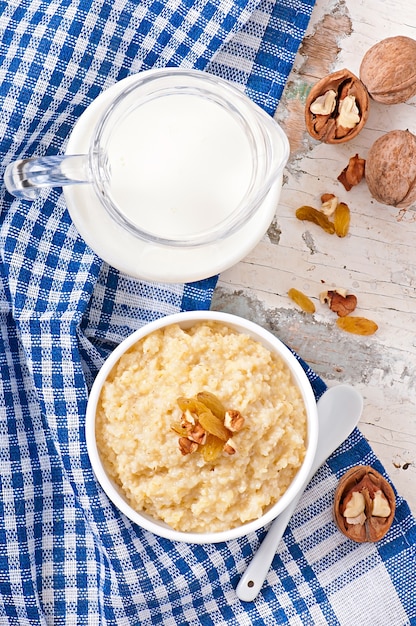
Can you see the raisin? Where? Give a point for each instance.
(213, 425)
(212, 448)
(342, 219)
(309, 214)
(212, 403)
(357, 325)
(301, 300)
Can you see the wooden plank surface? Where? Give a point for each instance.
(376, 261)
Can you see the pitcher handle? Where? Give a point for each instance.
(26, 177)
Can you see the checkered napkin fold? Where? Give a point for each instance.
(66, 555)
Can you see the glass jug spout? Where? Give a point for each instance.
(25, 178)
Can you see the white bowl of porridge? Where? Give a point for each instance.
(201, 427)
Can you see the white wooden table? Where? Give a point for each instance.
(376, 261)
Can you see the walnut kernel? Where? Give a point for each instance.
(233, 420)
(338, 301)
(329, 204)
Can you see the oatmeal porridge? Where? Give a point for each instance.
(138, 417)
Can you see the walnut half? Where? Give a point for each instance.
(364, 504)
(337, 107)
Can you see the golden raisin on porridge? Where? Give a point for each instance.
(205, 415)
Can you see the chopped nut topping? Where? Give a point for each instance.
(233, 420)
(186, 446)
(197, 434)
(187, 421)
(230, 447)
(206, 425)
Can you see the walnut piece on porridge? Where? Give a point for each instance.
(205, 415)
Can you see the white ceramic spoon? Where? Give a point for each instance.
(339, 410)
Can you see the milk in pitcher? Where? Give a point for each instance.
(179, 164)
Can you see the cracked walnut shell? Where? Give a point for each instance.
(364, 504)
(336, 108)
(388, 70)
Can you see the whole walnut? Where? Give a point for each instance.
(390, 169)
(388, 70)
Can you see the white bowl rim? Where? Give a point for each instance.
(260, 334)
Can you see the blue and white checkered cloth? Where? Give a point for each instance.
(66, 555)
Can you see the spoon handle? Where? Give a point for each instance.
(253, 578)
(342, 403)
